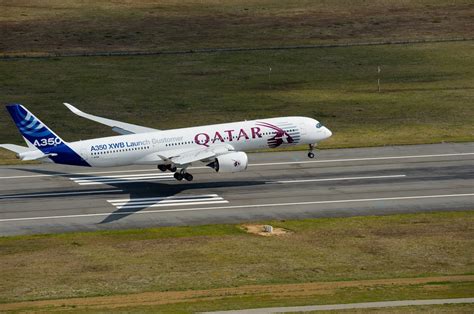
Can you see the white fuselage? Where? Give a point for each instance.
(149, 148)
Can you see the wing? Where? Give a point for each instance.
(117, 126)
(183, 158)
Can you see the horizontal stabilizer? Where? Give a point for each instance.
(26, 153)
(15, 148)
(117, 126)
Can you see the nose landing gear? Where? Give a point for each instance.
(311, 151)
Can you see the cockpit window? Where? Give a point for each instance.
(319, 125)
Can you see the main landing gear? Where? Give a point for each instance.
(167, 167)
(183, 175)
(311, 151)
(178, 175)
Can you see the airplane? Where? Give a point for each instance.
(221, 147)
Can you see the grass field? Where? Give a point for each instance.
(212, 267)
(58, 26)
(427, 91)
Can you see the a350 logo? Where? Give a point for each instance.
(52, 141)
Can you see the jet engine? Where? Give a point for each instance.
(231, 162)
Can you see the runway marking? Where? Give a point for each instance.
(250, 165)
(166, 197)
(339, 179)
(243, 206)
(123, 178)
(58, 194)
(162, 174)
(168, 201)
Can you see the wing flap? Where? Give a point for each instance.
(117, 126)
(183, 158)
(191, 157)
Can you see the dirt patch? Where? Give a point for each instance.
(168, 297)
(260, 230)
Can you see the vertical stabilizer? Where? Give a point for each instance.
(35, 132)
(38, 135)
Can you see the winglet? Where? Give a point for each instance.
(73, 109)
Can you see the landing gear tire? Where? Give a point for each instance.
(178, 176)
(162, 167)
(188, 176)
(171, 168)
(311, 151)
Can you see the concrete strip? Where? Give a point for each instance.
(349, 306)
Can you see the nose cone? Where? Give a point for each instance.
(327, 133)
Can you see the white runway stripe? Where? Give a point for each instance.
(134, 202)
(59, 194)
(173, 204)
(341, 179)
(123, 178)
(168, 201)
(126, 181)
(177, 197)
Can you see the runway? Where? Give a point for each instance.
(285, 185)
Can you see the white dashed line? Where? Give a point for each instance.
(339, 179)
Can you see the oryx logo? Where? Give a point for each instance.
(236, 163)
(283, 133)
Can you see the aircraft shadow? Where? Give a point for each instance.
(141, 190)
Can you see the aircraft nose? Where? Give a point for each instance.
(328, 132)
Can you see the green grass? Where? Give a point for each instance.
(205, 257)
(57, 26)
(427, 91)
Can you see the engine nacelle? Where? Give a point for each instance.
(231, 162)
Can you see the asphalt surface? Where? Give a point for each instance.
(348, 306)
(347, 182)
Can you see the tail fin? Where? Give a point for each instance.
(35, 132)
(43, 142)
